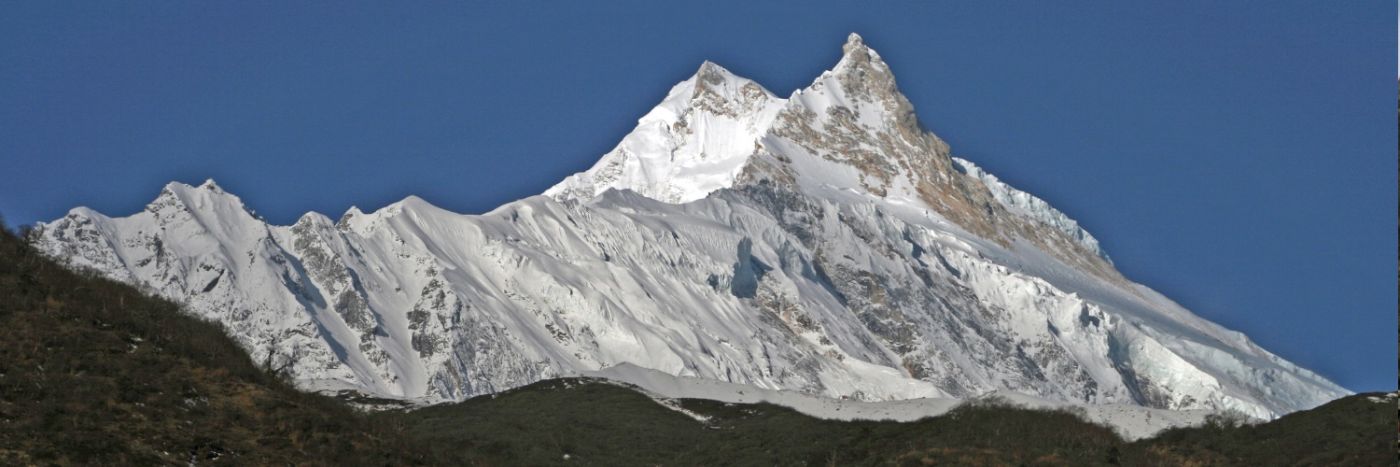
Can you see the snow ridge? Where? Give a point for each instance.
(1031, 207)
(692, 144)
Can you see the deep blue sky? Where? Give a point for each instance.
(1238, 156)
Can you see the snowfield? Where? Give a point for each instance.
(809, 249)
(1131, 421)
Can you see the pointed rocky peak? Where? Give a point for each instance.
(348, 220)
(854, 115)
(853, 40)
(313, 219)
(856, 55)
(173, 194)
(856, 51)
(208, 196)
(718, 91)
(853, 130)
(185, 190)
(78, 219)
(712, 74)
(862, 74)
(351, 213)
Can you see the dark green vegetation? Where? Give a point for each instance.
(1354, 430)
(600, 423)
(94, 372)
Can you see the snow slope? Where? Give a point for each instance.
(1132, 421)
(694, 143)
(824, 244)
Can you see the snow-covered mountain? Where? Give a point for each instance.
(824, 243)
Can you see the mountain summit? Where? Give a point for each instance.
(851, 130)
(824, 243)
(697, 141)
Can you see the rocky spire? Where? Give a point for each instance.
(853, 42)
(856, 52)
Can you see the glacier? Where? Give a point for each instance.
(824, 244)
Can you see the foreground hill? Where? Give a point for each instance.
(1354, 430)
(95, 372)
(602, 423)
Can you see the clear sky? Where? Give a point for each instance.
(1238, 156)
